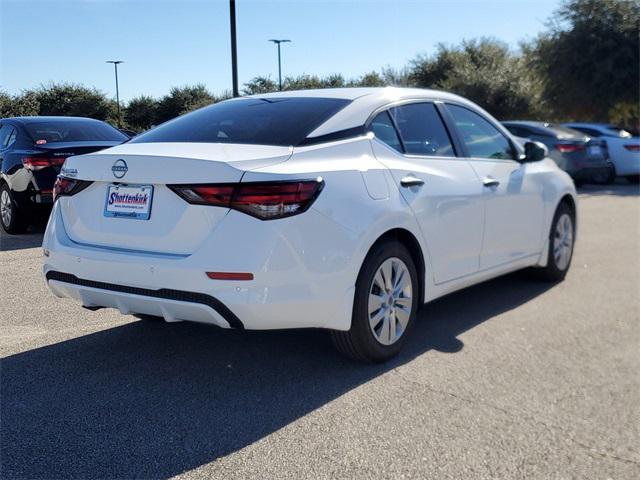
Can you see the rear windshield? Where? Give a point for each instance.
(562, 131)
(273, 121)
(72, 131)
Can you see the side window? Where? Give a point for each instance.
(5, 132)
(11, 138)
(481, 138)
(383, 129)
(422, 130)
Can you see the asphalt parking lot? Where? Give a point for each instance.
(509, 379)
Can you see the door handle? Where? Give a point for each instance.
(411, 181)
(490, 182)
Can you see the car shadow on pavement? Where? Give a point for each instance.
(31, 239)
(621, 189)
(152, 400)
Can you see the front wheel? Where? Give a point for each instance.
(11, 218)
(384, 307)
(561, 241)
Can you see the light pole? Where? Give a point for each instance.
(234, 48)
(115, 64)
(278, 42)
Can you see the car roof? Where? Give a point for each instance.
(607, 126)
(530, 123)
(363, 102)
(51, 119)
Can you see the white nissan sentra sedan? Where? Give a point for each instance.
(342, 209)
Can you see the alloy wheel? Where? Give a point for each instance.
(390, 301)
(5, 208)
(563, 241)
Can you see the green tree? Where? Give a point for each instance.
(73, 100)
(259, 85)
(182, 100)
(141, 112)
(485, 71)
(589, 59)
(371, 79)
(18, 105)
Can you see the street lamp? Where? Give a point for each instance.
(234, 48)
(278, 42)
(115, 65)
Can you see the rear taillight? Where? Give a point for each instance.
(38, 163)
(632, 147)
(65, 187)
(569, 147)
(263, 200)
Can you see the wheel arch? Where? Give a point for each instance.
(570, 201)
(408, 239)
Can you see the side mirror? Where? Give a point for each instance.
(534, 151)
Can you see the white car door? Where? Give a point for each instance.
(514, 206)
(442, 190)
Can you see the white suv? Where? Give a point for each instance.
(342, 209)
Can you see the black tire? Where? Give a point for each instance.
(359, 342)
(553, 272)
(605, 179)
(16, 222)
(633, 179)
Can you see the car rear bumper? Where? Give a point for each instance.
(293, 287)
(172, 305)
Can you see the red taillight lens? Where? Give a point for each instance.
(569, 147)
(38, 163)
(216, 195)
(632, 148)
(263, 200)
(67, 186)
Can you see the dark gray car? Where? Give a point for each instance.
(584, 158)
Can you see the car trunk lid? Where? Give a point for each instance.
(173, 226)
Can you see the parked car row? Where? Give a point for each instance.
(587, 152)
(33, 149)
(32, 152)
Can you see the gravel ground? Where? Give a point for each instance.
(509, 379)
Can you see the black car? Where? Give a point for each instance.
(32, 151)
(586, 159)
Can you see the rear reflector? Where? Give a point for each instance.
(65, 187)
(229, 276)
(632, 148)
(38, 163)
(569, 147)
(263, 200)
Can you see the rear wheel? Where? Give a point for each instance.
(561, 241)
(11, 218)
(605, 178)
(384, 307)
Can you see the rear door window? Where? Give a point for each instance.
(422, 130)
(481, 138)
(383, 129)
(5, 132)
